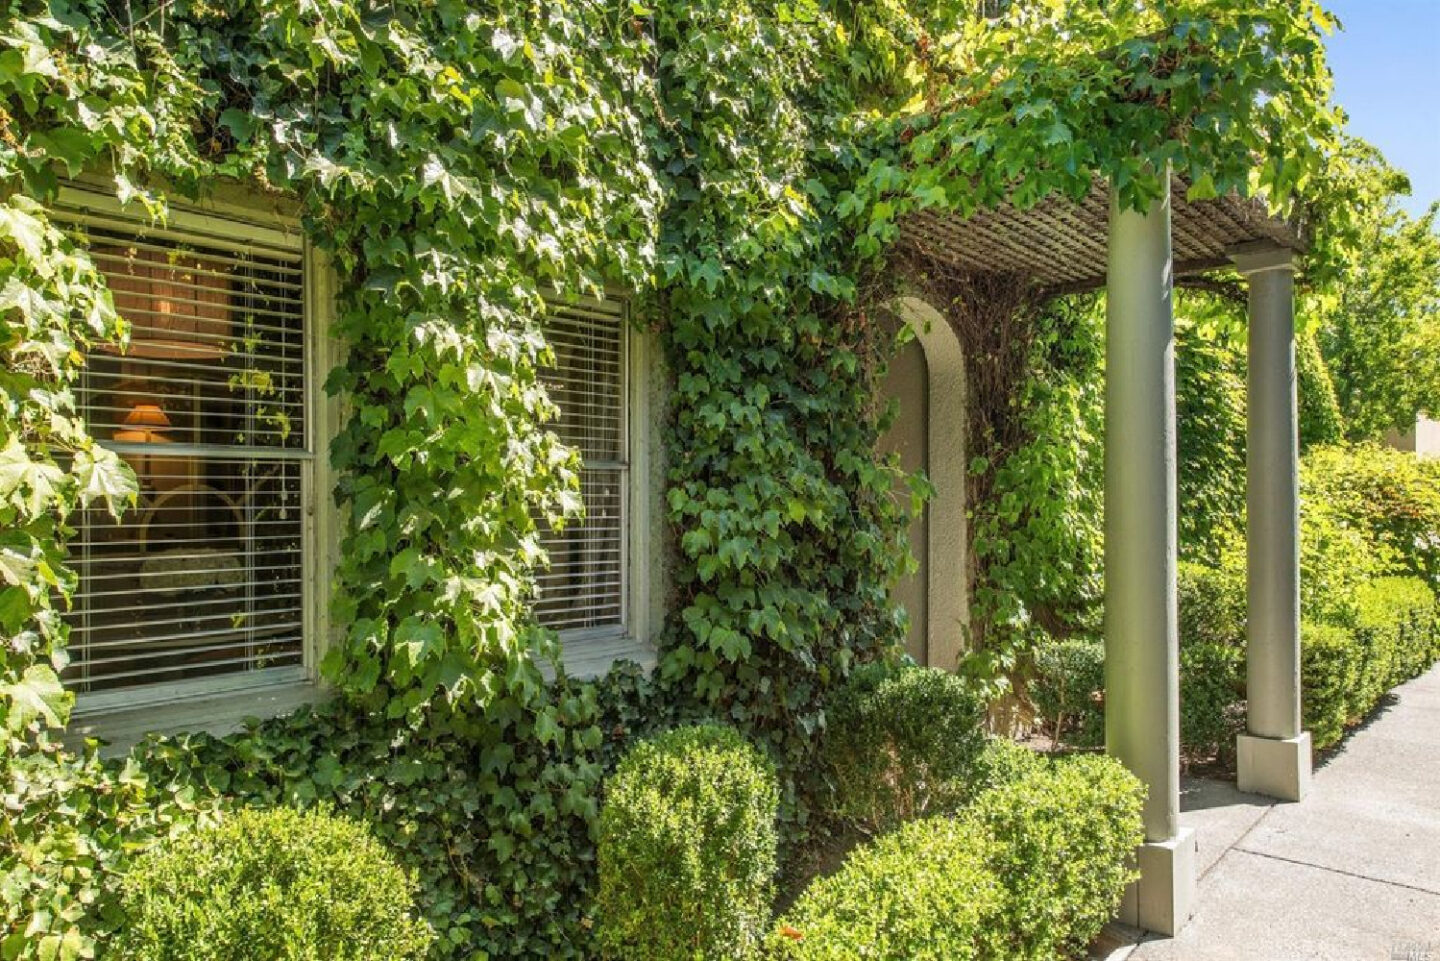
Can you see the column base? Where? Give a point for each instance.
(1164, 897)
(1275, 767)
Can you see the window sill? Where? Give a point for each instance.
(122, 728)
(593, 657)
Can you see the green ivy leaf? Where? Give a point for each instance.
(38, 695)
(102, 475)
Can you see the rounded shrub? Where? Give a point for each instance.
(1068, 688)
(686, 851)
(266, 885)
(1003, 761)
(902, 744)
(921, 893)
(1062, 837)
(1030, 871)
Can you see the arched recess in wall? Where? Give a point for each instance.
(928, 379)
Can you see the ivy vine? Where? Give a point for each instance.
(742, 168)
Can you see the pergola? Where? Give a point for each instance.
(1066, 246)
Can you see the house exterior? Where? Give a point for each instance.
(209, 602)
(1422, 440)
(745, 172)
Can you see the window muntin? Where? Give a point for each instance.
(583, 591)
(202, 586)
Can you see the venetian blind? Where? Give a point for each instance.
(583, 589)
(201, 586)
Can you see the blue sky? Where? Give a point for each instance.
(1387, 77)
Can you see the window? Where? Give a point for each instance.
(583, 593)
(204, 587)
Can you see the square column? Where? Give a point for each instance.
(1142, 681)
(1274, 754)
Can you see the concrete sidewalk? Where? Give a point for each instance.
(1352, 873)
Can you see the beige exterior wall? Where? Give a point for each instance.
(1423, 440)
(908, 381)
(928, 379)
(1427, 437)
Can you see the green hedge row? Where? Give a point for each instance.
(1391, 634)
(1346, 672)
(1030, 871)
(1369, 573)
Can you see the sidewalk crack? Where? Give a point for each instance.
(1340, 871)
(1235, 844)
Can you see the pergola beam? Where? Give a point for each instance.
(1187, 273)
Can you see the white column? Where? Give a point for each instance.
(1142, 685)
(1274, 754)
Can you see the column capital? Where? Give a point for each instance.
(1259, 256)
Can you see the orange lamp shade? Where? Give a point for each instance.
(143, 425)
(147, 415)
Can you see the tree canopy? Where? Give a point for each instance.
(1376, 312)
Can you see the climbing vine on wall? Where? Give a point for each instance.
(742, 169)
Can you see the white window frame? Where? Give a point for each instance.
(590, 652)
(221, 703)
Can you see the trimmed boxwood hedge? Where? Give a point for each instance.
(687, 849)
(1212, 603)
(924, 892)
(1031, 871)
(1386, 632)
(1066, 689)
(901, 743)
(1398, 615)
(271, 884)
(1346, 672)
(1064, 834)
(1212, 699)
(1330, 667)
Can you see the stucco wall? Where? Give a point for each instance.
(907, 381)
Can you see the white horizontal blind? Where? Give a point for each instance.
(583, 589)
(201, 585)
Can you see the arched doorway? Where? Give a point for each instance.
(927, 378)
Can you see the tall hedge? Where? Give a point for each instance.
(1391, 495)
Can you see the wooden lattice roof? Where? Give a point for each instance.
(1062, 244)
